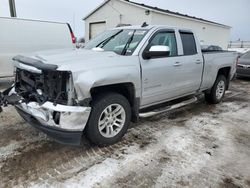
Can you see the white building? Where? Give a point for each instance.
(112, 13)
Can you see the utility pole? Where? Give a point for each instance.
(12, 8)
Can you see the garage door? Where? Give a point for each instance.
(96, 28)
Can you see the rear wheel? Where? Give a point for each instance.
(218, 91)
(109, 119)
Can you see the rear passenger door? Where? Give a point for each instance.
(189, 75)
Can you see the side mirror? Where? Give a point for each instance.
(156, 52)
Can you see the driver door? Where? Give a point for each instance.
(158, 73)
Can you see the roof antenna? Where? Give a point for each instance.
(144, 24)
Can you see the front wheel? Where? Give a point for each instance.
(218, 90)
(109, 119)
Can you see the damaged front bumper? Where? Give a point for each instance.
(46, 99)
(65, 124)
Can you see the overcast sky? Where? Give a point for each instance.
(235, 13)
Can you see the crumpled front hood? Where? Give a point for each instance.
(77, 59)
(89, 68)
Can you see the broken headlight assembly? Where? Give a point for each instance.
(52, 86)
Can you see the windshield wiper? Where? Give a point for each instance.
(103, 43)
(124, 51)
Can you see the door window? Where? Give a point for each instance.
(165, 39)
(188, 42)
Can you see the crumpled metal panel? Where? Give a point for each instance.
(72, 118)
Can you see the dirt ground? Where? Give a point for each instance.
(197, 146)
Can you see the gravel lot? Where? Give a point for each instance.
(197, 146)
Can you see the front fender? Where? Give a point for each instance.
(85, 81)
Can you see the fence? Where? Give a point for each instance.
(239, 44)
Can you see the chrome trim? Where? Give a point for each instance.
(243, 66)
(72, 118)
(63, 108)
(168, 108)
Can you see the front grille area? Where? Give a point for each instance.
(49, 86)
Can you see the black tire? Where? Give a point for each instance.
(211, 97)
(99, 104)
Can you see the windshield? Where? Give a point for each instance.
(122, 42)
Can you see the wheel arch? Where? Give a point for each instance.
(225, 71)
(127, 90)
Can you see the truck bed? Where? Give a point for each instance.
(214, 60)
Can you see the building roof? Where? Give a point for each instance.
(163, 11)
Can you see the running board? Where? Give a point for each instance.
(168, 108)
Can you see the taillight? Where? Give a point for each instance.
(73, 37)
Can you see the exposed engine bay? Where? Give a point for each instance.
(45, 84)
(53, 86)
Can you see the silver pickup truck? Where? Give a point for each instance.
(121, 75)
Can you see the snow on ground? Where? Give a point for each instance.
(197, 146)
(176, 152)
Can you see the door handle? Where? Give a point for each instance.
(177, 64)
(145, 81)
(198, 61)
